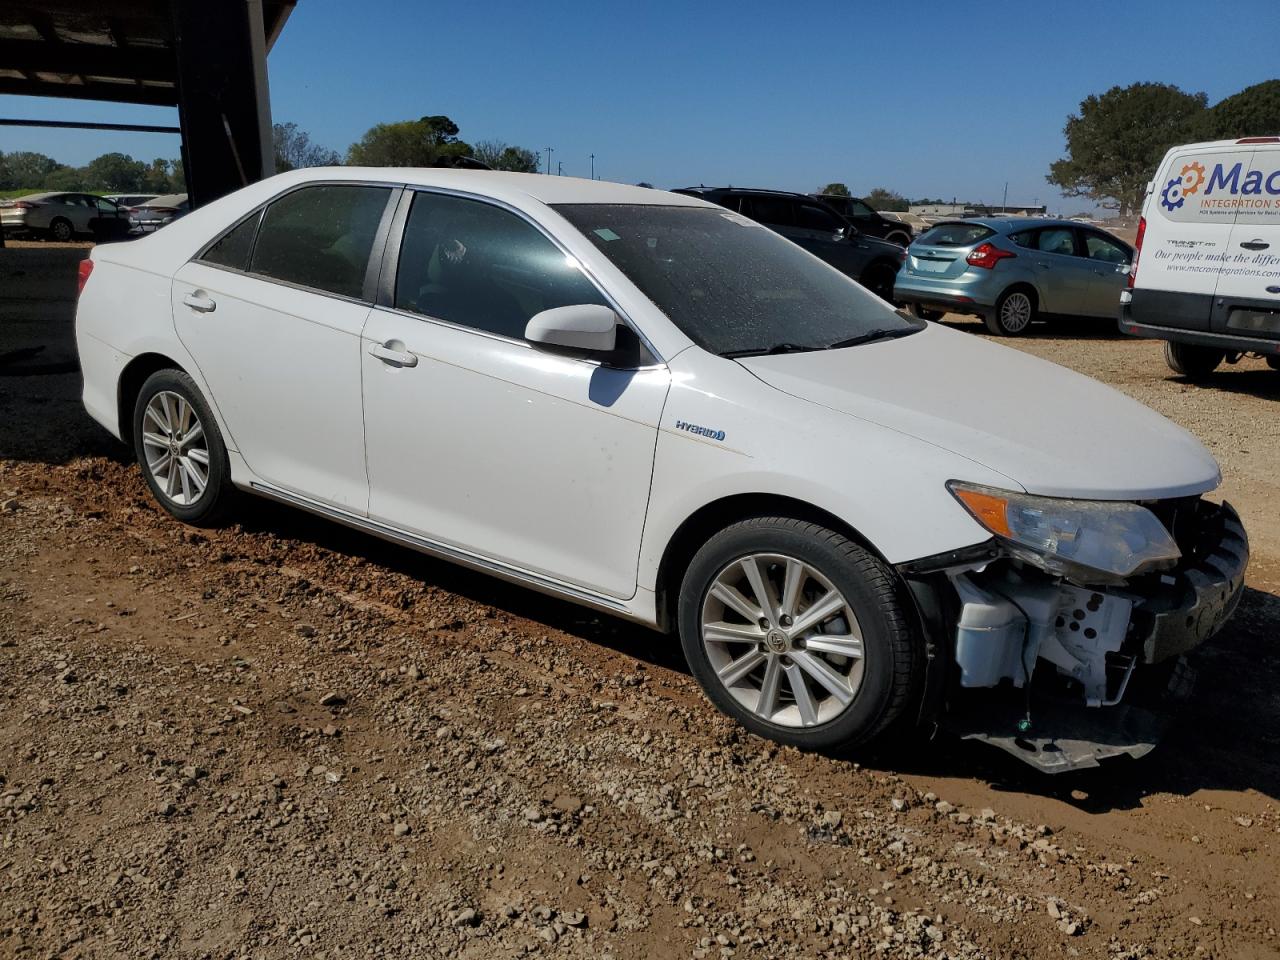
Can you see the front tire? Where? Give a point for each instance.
(1191, 361)
(180, 449)
(1014, 313)
(798, 633)
(924, 313)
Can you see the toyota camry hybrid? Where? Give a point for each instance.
(856, 522)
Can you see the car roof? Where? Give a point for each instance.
(167, 200)
(499, 184)
(1009, 224)
(765, 190)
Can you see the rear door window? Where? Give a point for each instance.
(957, 234)
(1059, 240)
(810, 216)
(775, 211)
(321, 237)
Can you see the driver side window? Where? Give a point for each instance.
(480, 266)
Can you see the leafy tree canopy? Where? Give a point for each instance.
(835, 190)
(882, 198)
(293, 149)
(1253, 112)
(1116, 140)
(504, 156)
(409, 143)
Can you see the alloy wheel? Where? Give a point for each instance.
(177, 450)
(782, 640)
(61, 231)
(1015, 312)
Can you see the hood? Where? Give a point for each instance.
(1049, 430)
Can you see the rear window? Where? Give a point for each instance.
(957, 234)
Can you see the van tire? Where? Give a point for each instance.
(1273, 363)
(1192, 361)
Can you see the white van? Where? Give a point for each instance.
(1206, 277)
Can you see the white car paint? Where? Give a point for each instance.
(547, 470)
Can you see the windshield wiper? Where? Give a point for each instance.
(769, 351)
(884, 333)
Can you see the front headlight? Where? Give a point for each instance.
(1075, 538)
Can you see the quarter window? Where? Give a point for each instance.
(321, 237)
(233, 248)
(479, 266)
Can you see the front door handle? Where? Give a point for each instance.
(1255, 245)
(199, 303)
(393, 352)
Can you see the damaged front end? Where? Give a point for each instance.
(1061, 639)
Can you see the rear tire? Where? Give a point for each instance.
(1273, 363)
(838, 682)
(180, 449)
(901, 239)
(1191, 361)
(61, 230)
(1014, 313)
(878, 278)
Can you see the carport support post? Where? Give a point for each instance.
(224, 103)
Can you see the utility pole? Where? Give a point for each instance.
(548, 161)
(559, 168)
(593, 166)
(1004, 204)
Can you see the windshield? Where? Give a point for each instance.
(956, 234)
(733, 286)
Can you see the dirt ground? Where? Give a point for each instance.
(286, 739)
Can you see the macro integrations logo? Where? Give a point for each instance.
(1187, 183)
(1244, 190)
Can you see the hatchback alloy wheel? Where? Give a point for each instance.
(783, 640)
(1014, 312)
(177, 451)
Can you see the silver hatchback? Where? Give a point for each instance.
(1013, 271)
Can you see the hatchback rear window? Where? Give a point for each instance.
(956, 234)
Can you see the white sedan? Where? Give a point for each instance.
(856, 522)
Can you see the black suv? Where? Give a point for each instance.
(859, 213)
(819, 229)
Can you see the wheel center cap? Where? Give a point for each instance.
(776, 641)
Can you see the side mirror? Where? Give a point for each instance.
(582, 326)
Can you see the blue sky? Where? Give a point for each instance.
(934, 99)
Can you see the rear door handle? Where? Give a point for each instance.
(199, 304)
(393, 352)
(1255, 245)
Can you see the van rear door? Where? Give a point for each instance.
(1189, 219)
(1247, 299)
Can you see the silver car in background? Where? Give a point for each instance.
(61, 216)
(156, 212)
(1013, 271)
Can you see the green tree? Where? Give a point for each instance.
(115, 173)
(503, 156)
(177, 177)
(1116, 140)
(156, 177)
(66, 178)
(882, 198)
(409, 143)
(835, 190)
(23, 168)
(294, 149)
(1253, 112)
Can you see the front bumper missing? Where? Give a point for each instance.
(1053, 697)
